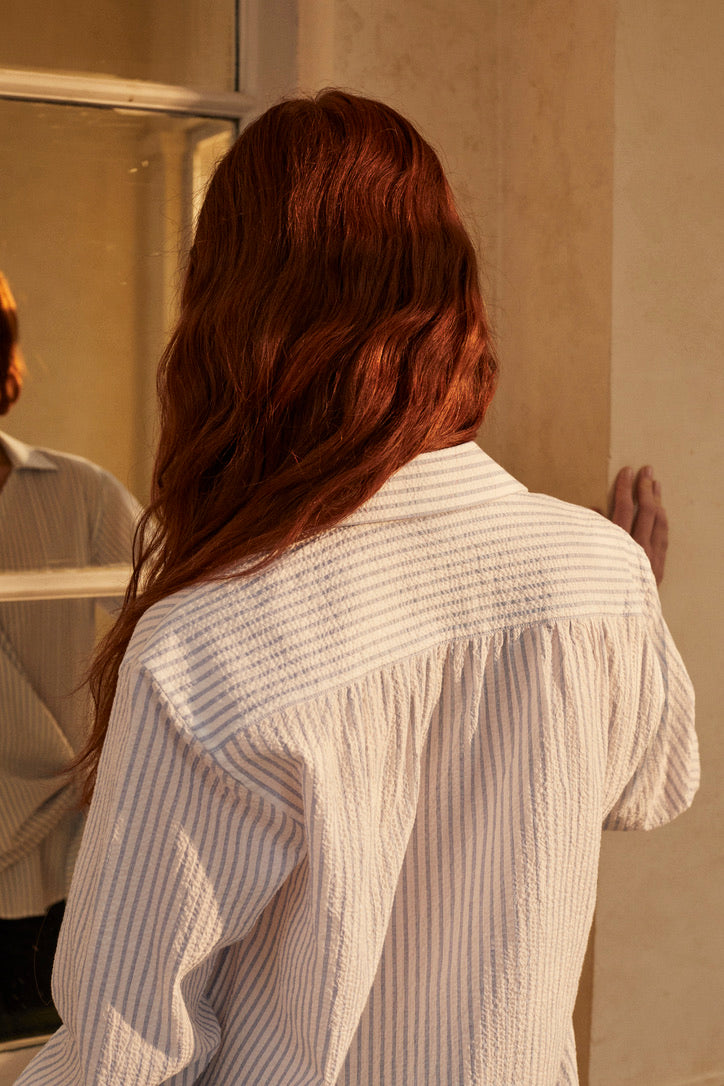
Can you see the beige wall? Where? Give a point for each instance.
(555, 120)
(580, 137)
(658, 1013)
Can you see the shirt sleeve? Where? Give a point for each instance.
(653, 757)
(178, 860)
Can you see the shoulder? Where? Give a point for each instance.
(78, 467)
(574, 554)
(359, 598)
(87, 481)
(37, 461)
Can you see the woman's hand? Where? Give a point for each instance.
(636, 507)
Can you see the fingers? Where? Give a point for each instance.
(638, 510)
(659, 538)
(647, 506)
(623, 510)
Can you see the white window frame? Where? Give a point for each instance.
(89, 582)
(104, 91)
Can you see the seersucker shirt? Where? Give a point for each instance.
(348, 816)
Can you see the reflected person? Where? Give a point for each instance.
(56, 511)
(369, 702)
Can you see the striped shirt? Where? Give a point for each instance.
(56, 511)
(348, 814)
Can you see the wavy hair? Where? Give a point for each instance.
(331, 329)
(12, 368)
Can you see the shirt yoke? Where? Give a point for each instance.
(365, 597)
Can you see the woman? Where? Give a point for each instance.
(369, 702)
(56, 510)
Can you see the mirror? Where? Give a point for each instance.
(97, 206)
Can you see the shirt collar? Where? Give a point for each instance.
(24, 457)
(434, 482)
(438, 482)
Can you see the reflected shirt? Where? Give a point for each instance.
(348, 815)
(56, 511)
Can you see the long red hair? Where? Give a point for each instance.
(331, 329)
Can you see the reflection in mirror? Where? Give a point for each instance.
(96, 207)
(57, 511)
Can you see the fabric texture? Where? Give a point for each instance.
(348, 815)
(56, 511)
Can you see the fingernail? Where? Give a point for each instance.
(647, 472)
(628, 474)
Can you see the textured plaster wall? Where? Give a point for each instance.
(555, 102)
(658, 1014)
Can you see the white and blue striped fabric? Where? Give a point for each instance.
(348, 816)
(56, 512)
